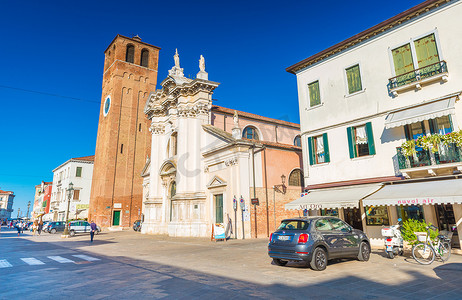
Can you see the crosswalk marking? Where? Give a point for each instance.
(32, 261)
(60, 259)
(86, 257)
(4, 263)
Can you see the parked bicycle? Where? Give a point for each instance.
(427, 250)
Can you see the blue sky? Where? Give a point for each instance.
(56, 47)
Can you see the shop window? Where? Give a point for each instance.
(377, 215)
(361, 140)
(318, 149)
(406, 212)
(329, 212)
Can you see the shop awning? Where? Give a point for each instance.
(425, 111)
(418, 193)
(341, 197)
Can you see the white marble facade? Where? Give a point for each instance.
(192, 162)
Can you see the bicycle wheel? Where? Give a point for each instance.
(423, 253)
(445, 251)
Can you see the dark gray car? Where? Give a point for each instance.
(316, 240)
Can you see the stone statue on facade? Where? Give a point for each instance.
(176, 70)
(176, 57)
(202, 74)
(236, 131)
(202, 64)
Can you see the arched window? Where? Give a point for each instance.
(298, 141)
(130, 55)
(144, 58)
(296, 178)
(250, 133)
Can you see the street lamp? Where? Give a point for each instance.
(70, 189)
(280, 188)
(28, 206)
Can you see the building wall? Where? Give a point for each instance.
(117, 171)
(268, 131)
(339, 110)
(64, 175)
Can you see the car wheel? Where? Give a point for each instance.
(96, 231)
(319, 259)
(53, 231)
(364, 252)
(71, 232)
(279, 262)
(390, 254)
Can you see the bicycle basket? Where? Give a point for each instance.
(446, 234)
(421, 236)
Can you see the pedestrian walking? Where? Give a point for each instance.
(40, 226)
(18, 227)
(35, 227)
(23, 224)
(93, 228)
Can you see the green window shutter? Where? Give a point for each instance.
(311, 151)
(426, 51)
(313, 89)
(219, 208)
(354, 79)
(78, 172)
(450, 123)
(326, 148)
(402, 59)
(370, 138)
(433, 126)
(351, 142)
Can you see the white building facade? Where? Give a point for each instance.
(203, 158)
(79, 172)
(6, 204)
(362, 99)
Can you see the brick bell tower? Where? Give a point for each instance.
(123, 140)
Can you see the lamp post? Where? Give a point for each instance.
(280, 188)
(70, 189)
(28, 207)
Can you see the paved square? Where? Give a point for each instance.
(130, 265)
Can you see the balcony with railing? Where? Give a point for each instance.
(448, 158)
(415, 79)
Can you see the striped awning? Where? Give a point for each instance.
(418, 193)
(339, 197)
(423, 111)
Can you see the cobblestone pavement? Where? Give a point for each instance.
(130, 265)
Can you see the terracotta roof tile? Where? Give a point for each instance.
(244, 114)
(87, 158)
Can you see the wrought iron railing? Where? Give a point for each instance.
(418, 74)
(446, 154)
(420, 159)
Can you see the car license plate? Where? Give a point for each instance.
(284, 237)
(389, 248)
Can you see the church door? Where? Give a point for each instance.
(219, 208)
(116, 218)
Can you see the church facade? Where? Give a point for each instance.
(207, 162)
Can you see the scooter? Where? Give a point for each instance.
(393, 240)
